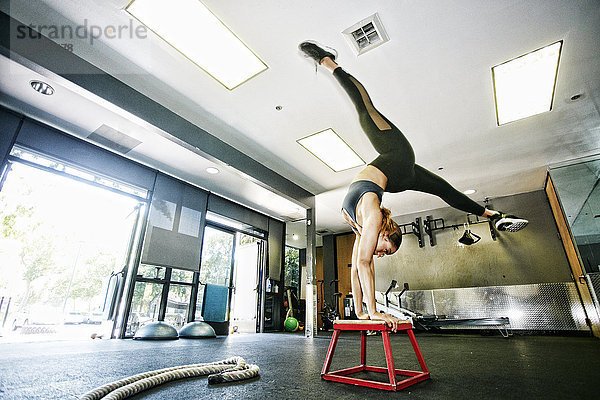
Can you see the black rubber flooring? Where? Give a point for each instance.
(461, 366)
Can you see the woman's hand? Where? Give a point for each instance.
(390, 321)
(362, 315)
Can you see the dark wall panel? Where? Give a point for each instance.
(276, 247)
(329, 267)
(9, 126)
(237, 212)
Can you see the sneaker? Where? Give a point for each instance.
(510, 223)
(317, 52)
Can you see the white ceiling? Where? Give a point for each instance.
(432, 79)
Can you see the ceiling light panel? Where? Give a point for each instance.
(525, 85)
(328, 147)
(199, 35)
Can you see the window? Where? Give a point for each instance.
(292, 268)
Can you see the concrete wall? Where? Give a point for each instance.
(533, 255)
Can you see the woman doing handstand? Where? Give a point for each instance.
(394, 170)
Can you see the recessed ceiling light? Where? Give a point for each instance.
(470, 191)
(295, 236)
(329, 148)
(576, 97)
(525, 85)
(42, 87)
(212, 170)
(199, 35)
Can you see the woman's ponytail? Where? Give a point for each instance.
(390, 228)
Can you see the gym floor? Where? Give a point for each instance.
(461, 365)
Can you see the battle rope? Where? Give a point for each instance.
(232, 369)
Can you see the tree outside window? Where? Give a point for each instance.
(292, 268)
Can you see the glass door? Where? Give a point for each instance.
(145, 305)
(216, 270)
(160, 294)
(244, 307)
(178, 299)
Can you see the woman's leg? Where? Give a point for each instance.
(428, 182)
(382, 134)
(397, 158)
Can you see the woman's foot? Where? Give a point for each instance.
(507, 222)
(317, 52)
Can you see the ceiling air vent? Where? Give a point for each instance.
(366, 34)
(113, 139)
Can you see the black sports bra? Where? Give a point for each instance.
(355, 192)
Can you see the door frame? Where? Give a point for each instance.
(258, 267)
(577, 271)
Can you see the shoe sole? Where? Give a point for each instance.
(511, 224)
(326, 48)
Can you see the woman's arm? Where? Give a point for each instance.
(371, 224)
(357, 295)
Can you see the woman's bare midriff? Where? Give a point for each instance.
(373, 174)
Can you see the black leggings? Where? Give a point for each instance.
(396, 157)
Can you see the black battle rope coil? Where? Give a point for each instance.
(232, 369)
